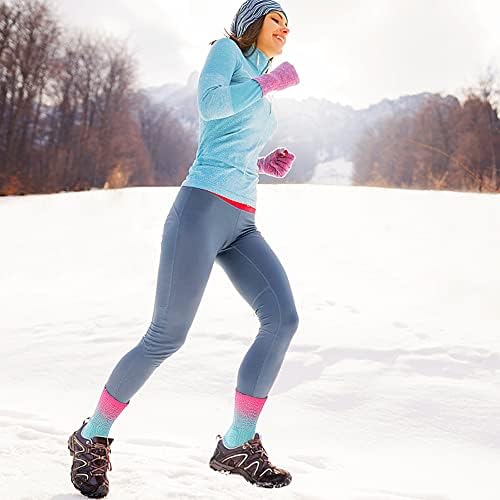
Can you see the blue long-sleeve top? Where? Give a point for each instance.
(235, 122)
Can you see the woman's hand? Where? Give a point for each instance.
(282, 77)
(277, 163)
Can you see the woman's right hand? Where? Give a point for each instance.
(282, 77)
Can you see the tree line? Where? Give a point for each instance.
(70, 115)
(445, 145)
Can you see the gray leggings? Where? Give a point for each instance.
(199, 230)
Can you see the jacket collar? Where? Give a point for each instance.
(257, 58)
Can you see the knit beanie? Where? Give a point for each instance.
(250, 11)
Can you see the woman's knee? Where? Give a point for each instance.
(275, 315)
(289, 324)
(162, 340)
(291, 320)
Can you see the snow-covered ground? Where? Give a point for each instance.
(338, 172)
(391, 389)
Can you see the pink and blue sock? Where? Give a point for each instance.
(246, 413)
(107, 411)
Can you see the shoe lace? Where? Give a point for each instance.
(100, 452)
(255, 446)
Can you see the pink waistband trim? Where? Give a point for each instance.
(237, 204)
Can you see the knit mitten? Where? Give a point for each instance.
(277, 163)
(280, 78)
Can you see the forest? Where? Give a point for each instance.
(70, 115)
(445, 145)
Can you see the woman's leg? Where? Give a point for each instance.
(198, 225)
(258, 275)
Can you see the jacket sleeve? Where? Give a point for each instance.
(216, 97)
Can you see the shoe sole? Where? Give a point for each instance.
(217, 466)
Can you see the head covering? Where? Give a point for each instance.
(250, 11)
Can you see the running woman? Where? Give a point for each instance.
(212, 220)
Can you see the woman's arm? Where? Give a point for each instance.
(216, 98)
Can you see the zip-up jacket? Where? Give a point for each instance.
(235, 122)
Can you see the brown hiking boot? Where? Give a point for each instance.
(249, 460)
(90, 463)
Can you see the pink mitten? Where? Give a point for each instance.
(280, 78)
(277, 163)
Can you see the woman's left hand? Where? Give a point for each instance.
(277, 163)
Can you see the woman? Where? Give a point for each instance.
(213, 220)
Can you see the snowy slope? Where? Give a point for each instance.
(391, 390)
(338, 172)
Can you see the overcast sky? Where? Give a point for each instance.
(354, 52)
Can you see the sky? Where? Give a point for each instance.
(354, 52)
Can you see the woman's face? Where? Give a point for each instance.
(272, 36)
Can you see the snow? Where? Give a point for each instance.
(338, 172)
(390, 390)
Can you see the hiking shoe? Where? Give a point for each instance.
(90, 463)
(249, 460)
